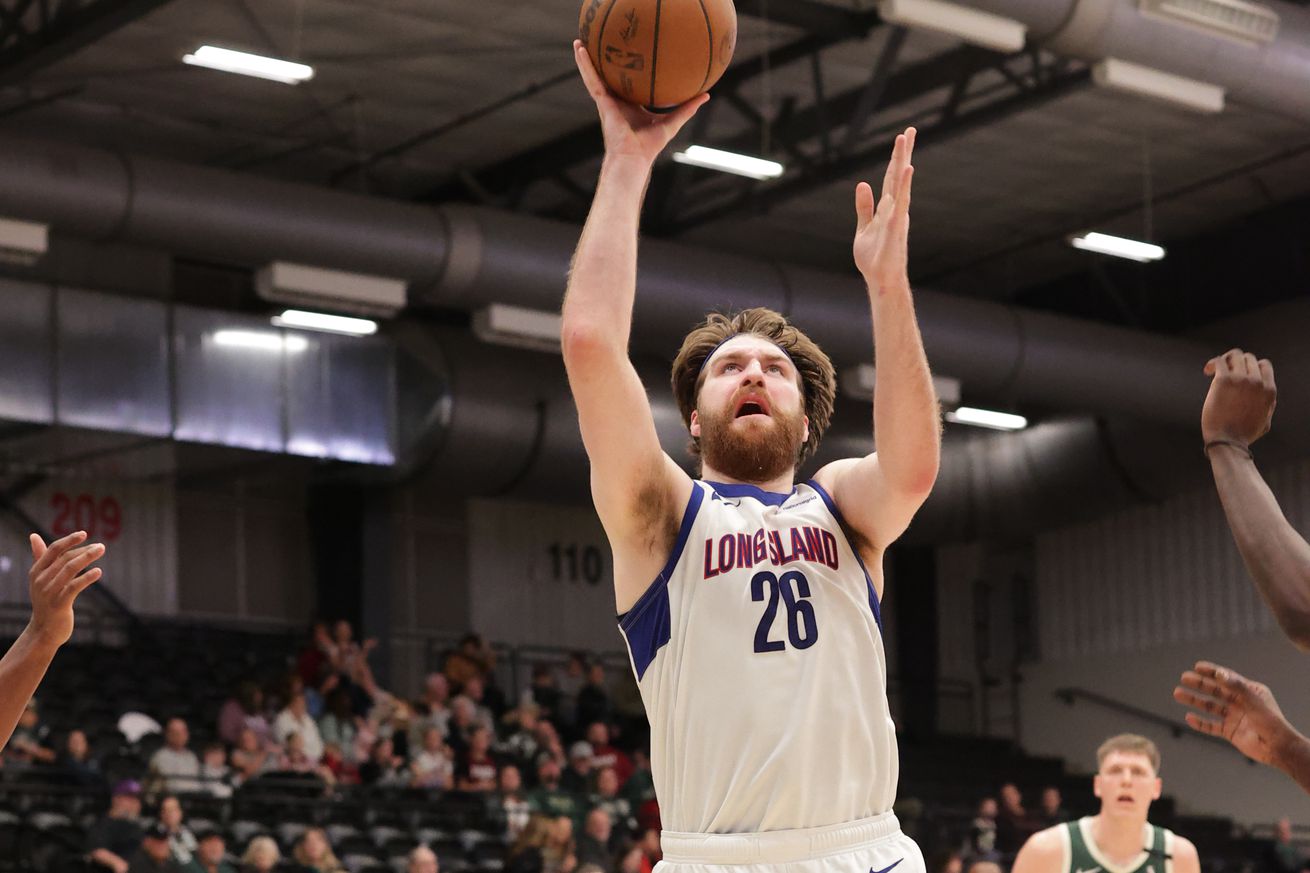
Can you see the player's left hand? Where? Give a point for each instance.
(1240, 405)
(54, 583)
(1244, 712)
(882, 229)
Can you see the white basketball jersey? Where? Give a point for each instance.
(758, 652)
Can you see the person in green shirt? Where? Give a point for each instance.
(1118, 839)
(210, 855)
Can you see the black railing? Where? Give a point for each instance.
(1175, 728)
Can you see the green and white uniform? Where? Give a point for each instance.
(1081, 854)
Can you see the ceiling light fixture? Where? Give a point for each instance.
(22, 242)
(326, 323)
(987, 418)
(259, 340)
(1118, 246)
(1248, 23)
(990, 31)
(1157, 84)
(229, 61)
(518, 327)
(729, 162)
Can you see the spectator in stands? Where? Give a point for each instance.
(315, 852)
(594, 700)
(984, 867)
(526, 854)
(395, 720)
(432, 767)
(294, 759)
(31, 741)
(174, 768)
(559, 855)
(215, 774)
(77, 763)
(511, 805)
(575, 676)
(384, 768)
(944, 862)
(181, 842)
(463, 719)
(251, 758)
(545, 693)
(1053, 811)
(604, 754)
(343, 772)
(243, 710)
(650, 845)
(476, 691)
(1012, 824)
(472, 658)
(640, 786)
(548, 798)
(549, 742)
(1283, 855)
(982, 833)
(261, 855)
(519, 727)
(594, 847)
(295, 719)
(53, 584)
(340, 726)
(433, 708)
(475, 768)
(634, 861)
(154, 856)
(422, 860)
(116, 837)
(351, 658)
(577, 778)
(607, 798)
(211, 855)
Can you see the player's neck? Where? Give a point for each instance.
(781, 484)
(1118, 837)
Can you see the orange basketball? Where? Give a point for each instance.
(659, 53)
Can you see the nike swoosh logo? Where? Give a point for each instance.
(886, 869)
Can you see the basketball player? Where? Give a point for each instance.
(1247, 715)
(54, 582)
(1238, 411)
(749, 603)
(1118, 839)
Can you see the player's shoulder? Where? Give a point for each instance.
(1049, 839)
(1043, 852)
(1183, 849)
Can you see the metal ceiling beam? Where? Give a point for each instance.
(585, 143)
(760, 200)
(808, 15)
(35, 35)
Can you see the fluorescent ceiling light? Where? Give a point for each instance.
(230, 61)
(309, 287)
(858, 382)
(971, 25)
(1159, 85)
(324, 322)
(519, 327)
(260, 340)
(22, 242)
(1118, 246)
(987, 418)
(729, 162)
(1249, 23)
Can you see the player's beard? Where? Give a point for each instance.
(751, 452)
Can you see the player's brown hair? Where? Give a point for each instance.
(1132, 744)
(818, 378)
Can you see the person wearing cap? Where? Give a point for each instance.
(59, 573)
(210, 856)
(577, 778)
(117, 836)
(155, 854)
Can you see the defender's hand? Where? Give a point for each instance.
(631, 131)
(1240, 405)
(1243, 712)
(882, 229)
(54, 583)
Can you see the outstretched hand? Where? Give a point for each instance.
(1237, 709)
(1240, 404)
(630, 130)
(55, 580)
(882, 229)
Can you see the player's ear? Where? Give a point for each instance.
(694, 425)
(1159, 788)
(1096, 785)
(805, 430)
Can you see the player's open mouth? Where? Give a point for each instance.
(751, 406)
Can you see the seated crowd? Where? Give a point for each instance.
(562, 789)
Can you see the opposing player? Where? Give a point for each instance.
(1118, 839)
(59, 573)
(750, 604)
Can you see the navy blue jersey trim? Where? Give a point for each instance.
(841, 522)
(771, 498)
(646, 626)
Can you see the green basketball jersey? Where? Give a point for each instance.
(1085, 857)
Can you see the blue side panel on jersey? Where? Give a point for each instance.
(646, 626)
(770, 498)
(836, 513)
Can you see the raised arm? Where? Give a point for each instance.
(638, 490)
(879, 494)
(1238, 411)
(54, 583)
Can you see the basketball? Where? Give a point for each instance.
(659, 53)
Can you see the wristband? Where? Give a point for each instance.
(1241, 447)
